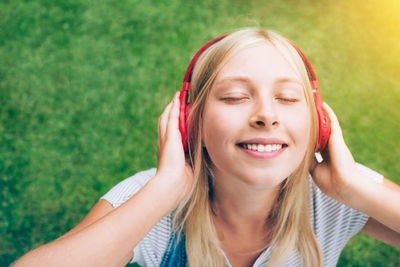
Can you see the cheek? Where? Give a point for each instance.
(300, 129)
(219, 131)
(215, 127)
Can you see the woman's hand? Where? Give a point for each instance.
(107, 235)
(339, 178)
(172, 165)
(338, 170)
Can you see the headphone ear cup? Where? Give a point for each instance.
(324, 123)
(183, 117)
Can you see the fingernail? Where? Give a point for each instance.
(176, 96)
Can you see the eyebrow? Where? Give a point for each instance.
(246, 80)
(288, 80)
(234, 79)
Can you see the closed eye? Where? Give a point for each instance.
(234, 99)
(289, 100)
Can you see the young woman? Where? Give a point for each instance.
(249, 191)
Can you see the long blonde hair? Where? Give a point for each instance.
(289, 217)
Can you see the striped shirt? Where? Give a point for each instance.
(333, 223)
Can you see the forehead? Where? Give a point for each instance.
(261, 60)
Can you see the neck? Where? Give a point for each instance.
(242, 208)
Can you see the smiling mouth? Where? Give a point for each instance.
(262, 148)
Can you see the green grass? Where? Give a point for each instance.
(82, 84)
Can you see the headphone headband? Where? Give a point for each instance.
(310, 70)
(188, 74)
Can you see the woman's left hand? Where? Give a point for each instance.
(338, 170)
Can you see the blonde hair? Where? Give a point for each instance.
(289, 217)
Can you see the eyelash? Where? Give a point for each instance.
(238, 99)
(233, 99)
(291, 100)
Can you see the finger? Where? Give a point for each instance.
(337, 145)
(163, 121)
(158, 150)
(335, 126)
(163, 125)
(173, 118)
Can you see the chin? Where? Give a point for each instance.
(265, 180)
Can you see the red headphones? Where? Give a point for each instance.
(324, 122)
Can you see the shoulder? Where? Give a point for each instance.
(333, 222)
(325, 210)
(150, 250)
(128, 187)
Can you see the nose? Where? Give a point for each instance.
(264, 115)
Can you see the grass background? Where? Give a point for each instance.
(82, 84)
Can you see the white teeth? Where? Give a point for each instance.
(263, 148)
(268, 148)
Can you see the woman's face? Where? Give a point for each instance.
(256, 121)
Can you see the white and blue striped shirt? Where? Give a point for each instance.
(333, 223)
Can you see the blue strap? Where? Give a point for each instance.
(175, 254)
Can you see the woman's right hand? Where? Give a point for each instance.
(107, 235)
(172, 165)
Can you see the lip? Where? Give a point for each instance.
(263, 141)
(262, 155)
